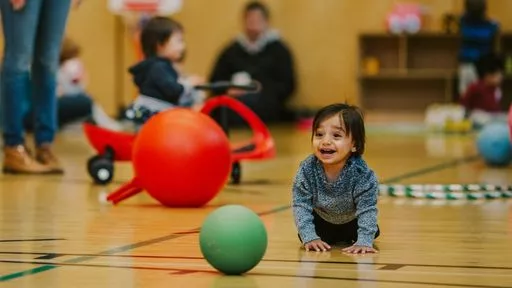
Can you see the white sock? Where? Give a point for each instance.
(103, 120)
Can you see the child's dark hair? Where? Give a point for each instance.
(69, 50)
(352, 118)
(257, 6)
(157, 31)
(489, 64)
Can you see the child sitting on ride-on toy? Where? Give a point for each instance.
(156, 76)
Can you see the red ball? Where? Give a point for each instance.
(182, 158)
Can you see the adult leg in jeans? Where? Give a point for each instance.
(19, 28)
(48, 41)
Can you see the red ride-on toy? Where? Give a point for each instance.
(114, 146)
(111, 146)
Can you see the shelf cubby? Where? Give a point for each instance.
(415, 70)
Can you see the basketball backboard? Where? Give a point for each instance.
(160, 7)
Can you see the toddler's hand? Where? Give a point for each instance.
(234, 92)
(317, 245)
(355, 249)
(195, 80)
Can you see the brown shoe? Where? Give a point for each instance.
(46, 157)
(17, 160)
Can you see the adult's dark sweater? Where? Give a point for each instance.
(268, 61)
(156, 77)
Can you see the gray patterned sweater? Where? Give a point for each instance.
(353, 195)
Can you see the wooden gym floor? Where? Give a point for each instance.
(56, 233)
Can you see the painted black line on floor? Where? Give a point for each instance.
(393, 267)
(30, 240)
(50, 256)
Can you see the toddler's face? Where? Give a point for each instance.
(330, 142)
(494, 79)
(174, 48)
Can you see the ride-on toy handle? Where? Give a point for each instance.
(221, 87)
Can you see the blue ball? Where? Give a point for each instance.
(494, 145)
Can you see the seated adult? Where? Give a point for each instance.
(260, 52)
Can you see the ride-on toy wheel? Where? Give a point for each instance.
(101, 167)
(236, 173)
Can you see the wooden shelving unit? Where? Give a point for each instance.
(415, 70)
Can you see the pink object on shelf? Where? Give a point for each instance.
(405, 18)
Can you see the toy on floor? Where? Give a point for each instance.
(114, 146)
(181, 157)
(446, 191)
(494, 144)
(447, 118)
(233, 239)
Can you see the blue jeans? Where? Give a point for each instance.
(33, 37)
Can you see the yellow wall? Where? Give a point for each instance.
(322, 34)
(97, 38)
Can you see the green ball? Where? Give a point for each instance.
(233, 239)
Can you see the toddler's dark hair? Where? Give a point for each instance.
(489, 64)
(156, 32)
(352, 118)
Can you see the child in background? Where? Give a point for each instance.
(74, 103)
(334, 191)
(482, 98)
(156, 77)
(479, 37)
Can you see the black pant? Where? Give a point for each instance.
(69, 108)
(335, 233)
